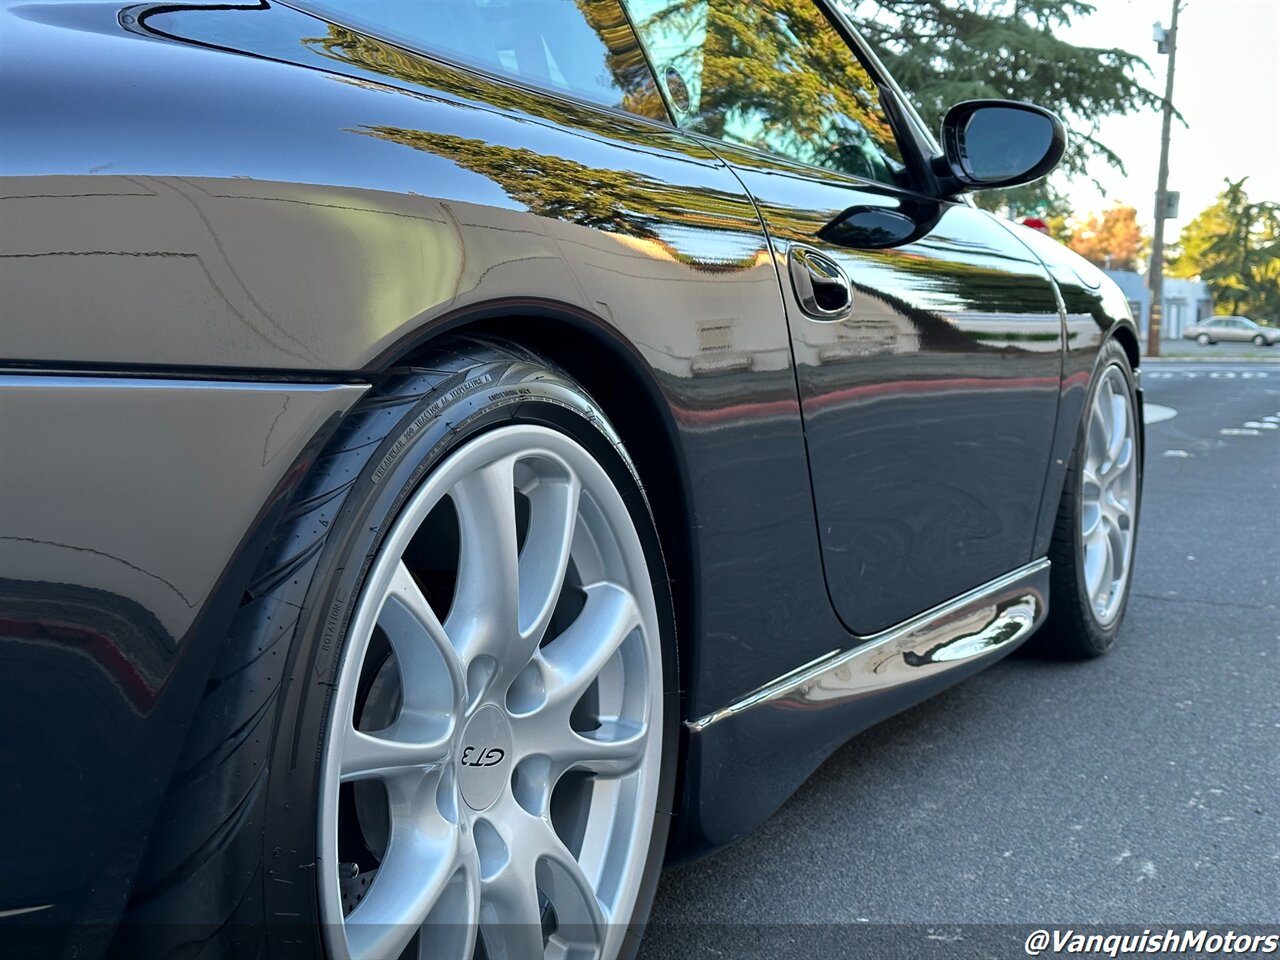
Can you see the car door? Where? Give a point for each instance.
(926, 336)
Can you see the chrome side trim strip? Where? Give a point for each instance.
(976, 624)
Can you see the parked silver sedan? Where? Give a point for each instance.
(1231, 330)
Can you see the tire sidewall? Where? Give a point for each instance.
(483, 398)
(1101, 636)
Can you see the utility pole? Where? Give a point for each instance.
(1155, 274)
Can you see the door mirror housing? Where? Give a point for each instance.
(989, 144)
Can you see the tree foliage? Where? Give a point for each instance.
(1059, 225)
(1113, 240)
(774, 73)
(945, 51)
(1233, 245)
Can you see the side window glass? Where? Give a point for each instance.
(770, 74)
(584, 48)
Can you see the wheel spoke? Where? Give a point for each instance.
(1096, 439)
(1089, 479)
(580, 917)
(416, 871)
(575, 658)
(510, 912)
(611, 750)
(1122, 460)
(1092, 517)
(1107, 565)
(1118, 509)
(1095, 562)
(1106, 411)
(422, 649)
(1119, 432)
(1090, 501)
(367, 756)
(567, 667)
(1116, 543)
(484, 617)
(537, 861)
(545, 557)
(451, 928)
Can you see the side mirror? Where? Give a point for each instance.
(998, 143)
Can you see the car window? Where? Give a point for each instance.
(584, 48)
(771, 74)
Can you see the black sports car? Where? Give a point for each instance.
(455, 457)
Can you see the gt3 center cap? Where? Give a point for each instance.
(484, 760)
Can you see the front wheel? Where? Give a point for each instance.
(1093, 545)
(474, 743)
(1260, 341)
(1203, 340)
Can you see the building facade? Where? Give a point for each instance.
(1185, 301)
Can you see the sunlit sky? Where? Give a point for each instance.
(1227, 86)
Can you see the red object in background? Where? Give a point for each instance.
(1035, 223)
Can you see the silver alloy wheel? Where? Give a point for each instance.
(1108, 495)
(506, 786)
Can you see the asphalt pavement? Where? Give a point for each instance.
(1140, 788)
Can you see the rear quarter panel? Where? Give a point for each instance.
(250, 193)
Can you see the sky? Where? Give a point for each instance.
(1227, 86)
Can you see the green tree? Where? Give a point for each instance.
(774, 74)
(1186, 258)
(945, 51)
(742, 63)
(1233, 245)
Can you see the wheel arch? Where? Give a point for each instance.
(1127, 337)
(609, 367)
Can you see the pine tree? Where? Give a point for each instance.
(1234, 246)
(945, 51)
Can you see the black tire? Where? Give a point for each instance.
(1204, 340)
(229, 870)
(1072, 630)
(1260, 341)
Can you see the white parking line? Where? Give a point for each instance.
(1206, 374)
(1156, 412)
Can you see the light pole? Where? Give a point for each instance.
(1155, 274)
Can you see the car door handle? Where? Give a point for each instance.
(821, 287)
